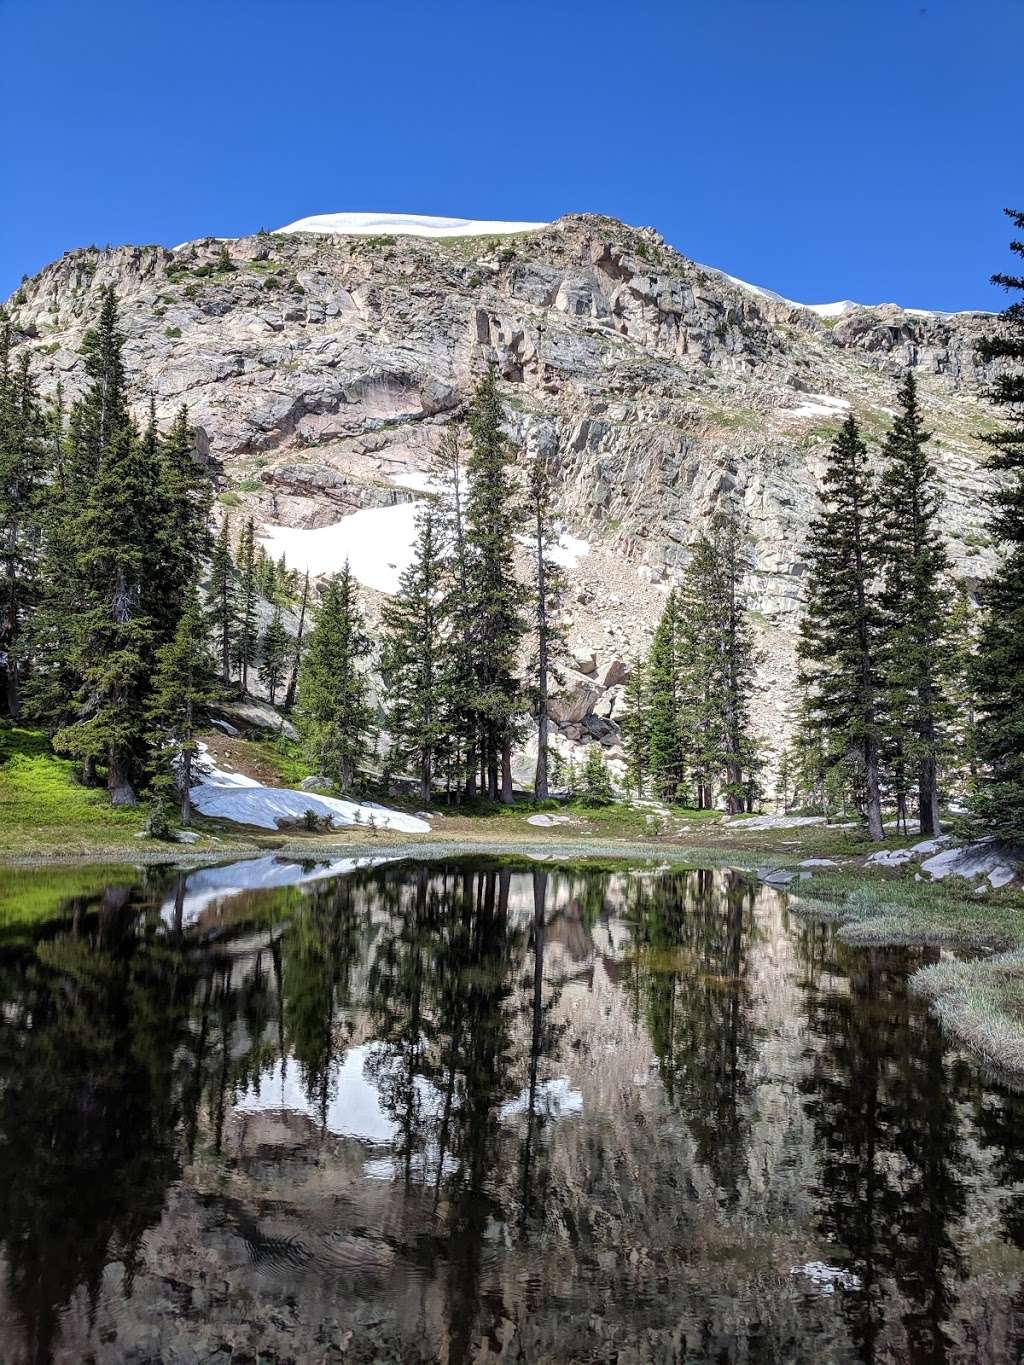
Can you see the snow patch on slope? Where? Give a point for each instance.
(819, 405)
(832, 310)
(406, 225)
(233, 796)
(376, 541)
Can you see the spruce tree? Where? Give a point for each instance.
(667, 746)
(293, 677)
(999, 670)
(548, 587)
(841, 638)
(186, 496)
(458, 610)
(635, 728)
(112, 538)
(222, 599)
(184, 685)
(24, 461)
(247, 632)
(595, 781)
(495, 596)
(914, 600)
(412, 660)
(274, 649)
(962, 625)
(334, 716)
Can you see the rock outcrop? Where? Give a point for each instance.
(320, 373)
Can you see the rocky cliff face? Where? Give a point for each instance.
(320, 372)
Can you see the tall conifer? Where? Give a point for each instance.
(334, 715)
(842, 631)
(999, 671)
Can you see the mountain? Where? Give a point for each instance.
(322, 368)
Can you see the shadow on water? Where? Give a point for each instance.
(481, 1110)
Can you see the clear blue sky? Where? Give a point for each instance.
(824, 148)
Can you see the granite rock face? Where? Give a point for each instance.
(320, 373)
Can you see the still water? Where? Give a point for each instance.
(481, 1111)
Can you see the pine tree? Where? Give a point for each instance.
(667, 748)
(548, 587)
(113, 541)
(460, 659)
(635, 728)
(962, 625)
(495, 596)
(274, 648)
(914, 599)
(842, 632)
(999, 670)
(334, 715)
(184, 685)
(293, 678)
(247, 633)
(595, 782)
(186, 496)
(222, 597)
(24, 460)
(412, 664)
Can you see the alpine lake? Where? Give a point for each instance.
(485, 1109)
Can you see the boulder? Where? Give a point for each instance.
(584, 660)
(574, 703)
(315, 783)
(613, 673)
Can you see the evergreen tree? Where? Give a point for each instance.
(595, 782)
(464, 734)
(113, 540)
(635, 727)
(334, 715)
(274, 648)
(548, 587)
(222, 599)
(247, 633)
(999, 671)
(186, 496)
(913, 597)
(841, 635)
(412, 660)
(293, 679)
(184, 685)
(962, 634)
(667, 747)
(24, 460)
(495, 596)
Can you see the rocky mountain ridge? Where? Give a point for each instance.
(320, 371)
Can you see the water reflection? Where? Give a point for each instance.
(473, 1111)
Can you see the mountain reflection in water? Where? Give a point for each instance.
(472, 1111)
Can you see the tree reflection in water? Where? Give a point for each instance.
(476, 1110)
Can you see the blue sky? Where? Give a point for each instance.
(823, 148)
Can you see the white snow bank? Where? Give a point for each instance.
(212, 884)
(418, 480)
(406, 225)
(836, 309)
(819, 405)
(233, 796)
(376, 541)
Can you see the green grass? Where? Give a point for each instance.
(981, 1003)
(878, 907)
(43, 808)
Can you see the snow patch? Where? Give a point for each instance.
(233, 796)
(826, 1277)
(406, 225)
(376, 541)
(819, 405)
